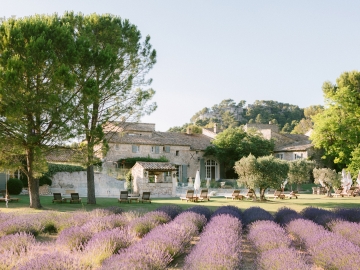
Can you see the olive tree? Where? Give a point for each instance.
(299, 171)
(327, 178)
(263, 172)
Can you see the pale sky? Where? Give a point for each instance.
(208, 51)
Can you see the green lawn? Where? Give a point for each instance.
(271, 205)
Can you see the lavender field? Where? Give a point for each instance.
(173, 238)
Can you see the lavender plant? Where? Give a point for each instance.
(150, 220)
(255, 213)
(284, 215)
(171, 210)
(348, 230)
(21, 223)
(267, 235)
(202, 210)
(319, 216)
(349, 214)
(228, 209)
(328, 249)
(74, 238)
(16, 243)
(282, 258)
(219, 246)
(106, 243)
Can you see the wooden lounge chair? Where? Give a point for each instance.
(250, 194)
(204, 195)
(278, 194)
(338, 192)
(145, 197)
(189, 196)
(293, 194)
(353, 191)
(75, 198)
(124, 197)
(235, 195)
(57, 198)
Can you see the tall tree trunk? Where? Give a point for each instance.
(262, 194)
(90, 185)
(32, 182)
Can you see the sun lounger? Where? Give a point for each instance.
(293, 194)
(235, 195)
(75, 198)
(204, 195)
(124, 197)
(145, 197)
(189, 196)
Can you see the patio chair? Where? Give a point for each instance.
(250, 194)
(338, 192)
(293, 194)
(235, 195)
(145, 197)
(353, 191)
(75, 198)
(124, 196)
(57, 198)
(189, 196)
(278, 194)
(204, 195)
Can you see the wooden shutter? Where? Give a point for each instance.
(157, 150)
(134, 148)
(202, 169)
(184, 173)
(167, 149)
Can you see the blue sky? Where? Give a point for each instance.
(251, 50)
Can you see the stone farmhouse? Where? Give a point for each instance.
(287, 146)
(184, 150)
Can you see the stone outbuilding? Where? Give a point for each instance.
(157, 177)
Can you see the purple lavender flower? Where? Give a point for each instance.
(171, 210)
(267, 235)
(348, 230)
(219, 246)
(282, 258)
(230, 210)
(16, 243)
(74, 238)
(150, 220)
(203, 210)
(349, 214)
(284, 215)
(255, 213)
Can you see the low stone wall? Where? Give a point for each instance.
(105, 186)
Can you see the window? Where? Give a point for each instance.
(177, 153)
(155, 149)
(297, 156)
(117, 147)
(210, 169)
(166, 149)
(280, 156)
(135, 148)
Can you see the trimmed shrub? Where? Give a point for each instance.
(255, 213)
(45, 180)
(14, 186)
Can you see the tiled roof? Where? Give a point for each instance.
(296, 146)
(60, 155)
(157, 166)
(194, 141)
(130, 126)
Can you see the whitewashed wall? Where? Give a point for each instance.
(105, 186)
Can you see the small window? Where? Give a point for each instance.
(166, 149)
(177, 153)
(280, 156)
(135, 148)
(155, 149)
(117, 147)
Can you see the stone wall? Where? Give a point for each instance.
(105, 186)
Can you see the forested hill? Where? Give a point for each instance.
(228, 113)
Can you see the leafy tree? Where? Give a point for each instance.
(37, 54)
(299, 171)
(327, 178)
(306, 123)
(228, 120)
(234, 143)
(110, 73)
(337, 129)
(259, 119)
(263, 172)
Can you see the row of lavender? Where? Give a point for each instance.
(114, 240)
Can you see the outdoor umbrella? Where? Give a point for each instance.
(197, 181)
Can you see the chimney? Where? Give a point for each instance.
(215, 128)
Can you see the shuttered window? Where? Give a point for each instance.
(166, 149)
(135, 148)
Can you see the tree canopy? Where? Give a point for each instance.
(262, 172)
(337, 129)
(327, 178)
(234, 143)
(36, 98)
(299, 171)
